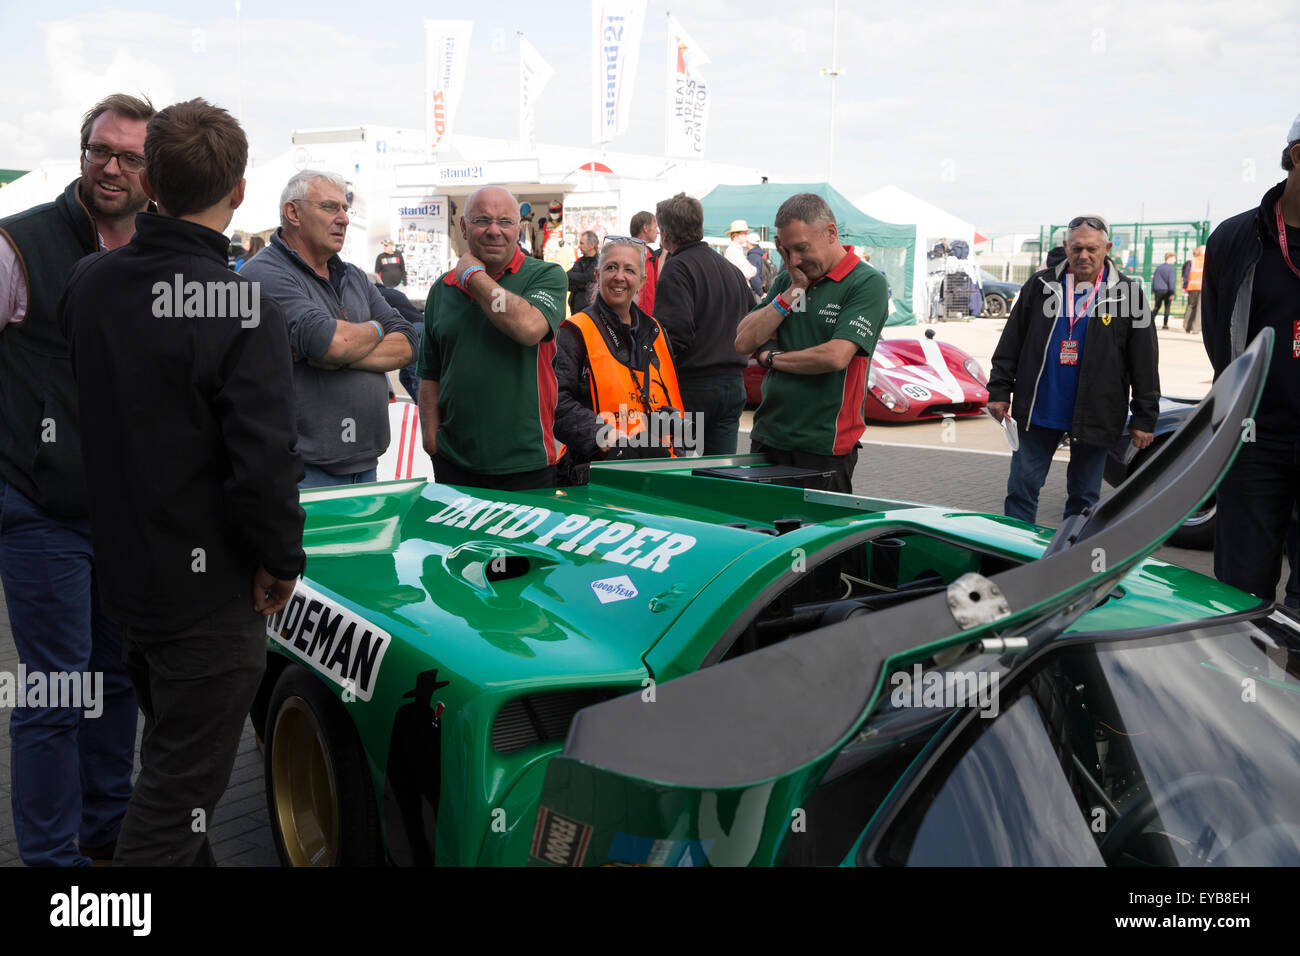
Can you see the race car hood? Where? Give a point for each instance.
(714, 770)
(926, 370)
(520, 585)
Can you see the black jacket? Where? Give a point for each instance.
(581, 279)
(1231, 254)
(188, 427)
(1119, 355)
(699, 300)
(576, 423)
(36, 383)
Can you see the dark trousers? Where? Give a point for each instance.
(840, 466)
(1192, 317)
(716, 401)
(1029, 467)
(195, 687)
(1254, 506)
(1167, 299)
(408, 375)
(449, 473)
(70, 766)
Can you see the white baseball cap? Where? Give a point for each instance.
(1294, 135)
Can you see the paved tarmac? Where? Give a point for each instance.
(956, 473)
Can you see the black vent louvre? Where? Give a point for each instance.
(537, 718)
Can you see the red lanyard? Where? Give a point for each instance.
(1087, 304)
(1281, 237)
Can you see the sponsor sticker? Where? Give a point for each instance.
(647, 851)
(558, 839)
(344, 647)
(1295, 341)
(609, 590)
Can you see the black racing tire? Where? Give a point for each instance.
(318, 787)
(1197, 532)
(995, 306)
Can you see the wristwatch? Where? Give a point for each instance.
(772, 354)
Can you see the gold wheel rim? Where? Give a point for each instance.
(306, 789)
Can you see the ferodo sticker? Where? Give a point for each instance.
(559, 840)
(638, 546)
(346, 648)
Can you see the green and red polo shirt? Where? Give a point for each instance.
(496, 398)
(822, 414)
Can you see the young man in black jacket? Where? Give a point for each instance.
(1252, 281)
(1078, 341)
(186, 399)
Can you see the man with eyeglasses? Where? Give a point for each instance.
(71, 769)
(487, 385)
(1078, 351)
(345, 337)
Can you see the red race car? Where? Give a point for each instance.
(910, 380)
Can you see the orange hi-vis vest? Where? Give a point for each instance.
(1195, 273)
(618, 394)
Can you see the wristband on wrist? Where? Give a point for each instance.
(781, 305)
(464, 276)
(378, 328)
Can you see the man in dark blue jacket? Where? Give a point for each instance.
(1252, 282)
(1162, 287)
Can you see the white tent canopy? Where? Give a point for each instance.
(932, 224)
(42, 184)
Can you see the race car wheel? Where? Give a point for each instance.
(995, 306)
(318, 791)
(1197, 532)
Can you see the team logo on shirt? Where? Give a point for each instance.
(1105, 319)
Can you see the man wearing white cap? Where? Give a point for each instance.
(1252, 282)
(735, 253)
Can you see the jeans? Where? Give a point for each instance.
(1029, 467)
(840, 466)
(317, 477)
(717, 400)
(71, 771)
(1254, 506)
(195, 688)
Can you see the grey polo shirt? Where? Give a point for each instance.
(342, 414)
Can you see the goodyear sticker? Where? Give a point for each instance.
(344, 647)
(620, 588)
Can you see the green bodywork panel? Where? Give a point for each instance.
(495, 591)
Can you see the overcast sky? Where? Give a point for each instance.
(1006, 113)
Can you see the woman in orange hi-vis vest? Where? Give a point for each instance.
(618, 392)
(1192, 317)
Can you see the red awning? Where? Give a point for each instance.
(595, 167)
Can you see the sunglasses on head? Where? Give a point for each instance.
(1092, 222)
(608, 240)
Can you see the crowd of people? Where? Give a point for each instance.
(150, 467)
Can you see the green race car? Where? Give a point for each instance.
(749, 672)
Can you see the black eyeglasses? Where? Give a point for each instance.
(100, 156)
(331, 206)
(1092, 222)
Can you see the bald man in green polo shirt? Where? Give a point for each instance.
(815, 332)
(488, 390)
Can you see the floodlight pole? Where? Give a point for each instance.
(833, 72)
(239, 61)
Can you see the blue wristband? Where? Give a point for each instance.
(776, 304)
(378, 328)
(464, 278)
